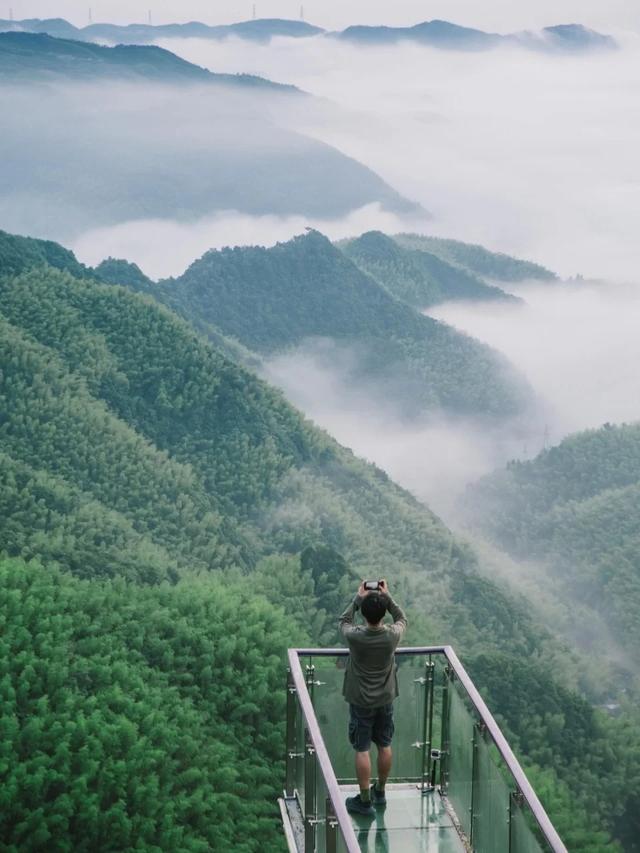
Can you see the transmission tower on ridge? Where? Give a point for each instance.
(254, 11)
(150, 23)
(302, 13)
(90, 15)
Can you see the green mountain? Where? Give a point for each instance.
(38, 56)
(273, 300)
(417, 277)
(119, 271)
(575, 509)
(18, 254)
(162, 508)
(476, 259)
(135, 418)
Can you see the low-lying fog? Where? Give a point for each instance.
(577, 344)
(526, 153)
(531, 154)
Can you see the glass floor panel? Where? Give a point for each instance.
(412, 822)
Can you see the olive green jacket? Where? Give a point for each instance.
(370, 677)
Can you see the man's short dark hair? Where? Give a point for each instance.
(373, 607)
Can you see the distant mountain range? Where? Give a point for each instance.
(42, 56)
(443, 34)
(260, 30)
(440, 34)
(160, 151)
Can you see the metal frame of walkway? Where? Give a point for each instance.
(420, 815)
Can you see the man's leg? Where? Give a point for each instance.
(360, 724)
(385, 757)
(382, 735)
(363, 774)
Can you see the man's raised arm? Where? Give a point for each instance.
(397, 613)
(346, 620)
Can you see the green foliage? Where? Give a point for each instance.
(415, 276)
(112, 409)
(137, 717)
(133, 453)
(477, 259)
(274, 299)
(18, 254)
(575, 508)
(577, 746)
(118, 271)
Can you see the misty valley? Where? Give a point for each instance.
(272, 323)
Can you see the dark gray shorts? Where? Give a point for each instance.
(370, 724)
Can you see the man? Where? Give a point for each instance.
(370, 686)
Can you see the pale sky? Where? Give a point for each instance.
(499, 15)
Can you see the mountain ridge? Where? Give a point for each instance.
(32, 55)
(437, 33)
(274, 300)
(574, 508)
(418, 277)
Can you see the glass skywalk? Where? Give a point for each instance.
(456, 785)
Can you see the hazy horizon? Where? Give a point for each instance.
(499, 15)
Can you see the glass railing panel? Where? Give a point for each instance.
(332, 713)
(491, 799)
(523, 839)
(410, 708)
(460, 758)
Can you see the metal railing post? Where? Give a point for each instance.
(309, 793)
(444, 755)
(310, 805)
(516, 801)
(291, 755)
(477, 733)
(427, 724)
(331, 828)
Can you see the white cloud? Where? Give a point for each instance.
(526, 153)
(578, 345)
(164, 248)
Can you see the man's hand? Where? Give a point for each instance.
(362, 591)
(383, 587)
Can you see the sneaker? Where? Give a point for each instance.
(377, 797)
(356, 806)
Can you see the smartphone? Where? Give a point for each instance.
(372, 584)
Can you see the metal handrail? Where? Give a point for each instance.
(524, 786)
(333, 790)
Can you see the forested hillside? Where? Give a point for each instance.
(38, 56)
(416, 276)
(575, 507)
(136, 717)
(477, 259)
(273, 300)
(162, 509)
